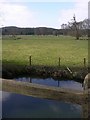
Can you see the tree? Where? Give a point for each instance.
(74, 26)
(64, 28)
(85, 27)
(77, 29)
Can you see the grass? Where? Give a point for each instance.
(45, 50)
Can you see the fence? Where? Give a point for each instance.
(84, 62)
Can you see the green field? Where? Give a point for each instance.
(45, 50)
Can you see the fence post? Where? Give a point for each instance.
(84, 62)
(59, 61)
(30, 60)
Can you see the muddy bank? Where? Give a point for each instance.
(43, 91)
(9, 71)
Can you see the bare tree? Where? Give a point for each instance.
(74, 25)
(72, 28)
(77, 29)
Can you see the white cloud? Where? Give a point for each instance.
(80, 10)
(15, 14)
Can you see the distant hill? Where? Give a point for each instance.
(12, 30)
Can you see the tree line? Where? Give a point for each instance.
(30, 31)
(73, 28)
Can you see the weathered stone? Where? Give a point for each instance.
(86, 83)
(43, 91)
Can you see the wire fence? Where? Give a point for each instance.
(84, 62)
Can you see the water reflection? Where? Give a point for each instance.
(20, 106)
(51, 82)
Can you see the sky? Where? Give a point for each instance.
(45, 13)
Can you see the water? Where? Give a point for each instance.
(20, 106)
(71, 84)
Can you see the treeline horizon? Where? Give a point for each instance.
(83, 28)
(13, 30)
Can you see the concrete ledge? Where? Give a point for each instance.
(43, 91)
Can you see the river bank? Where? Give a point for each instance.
(13, 70)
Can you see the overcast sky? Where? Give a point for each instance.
(34, 13)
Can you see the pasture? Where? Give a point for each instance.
(44, 50)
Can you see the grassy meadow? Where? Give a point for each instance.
(45, 50)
